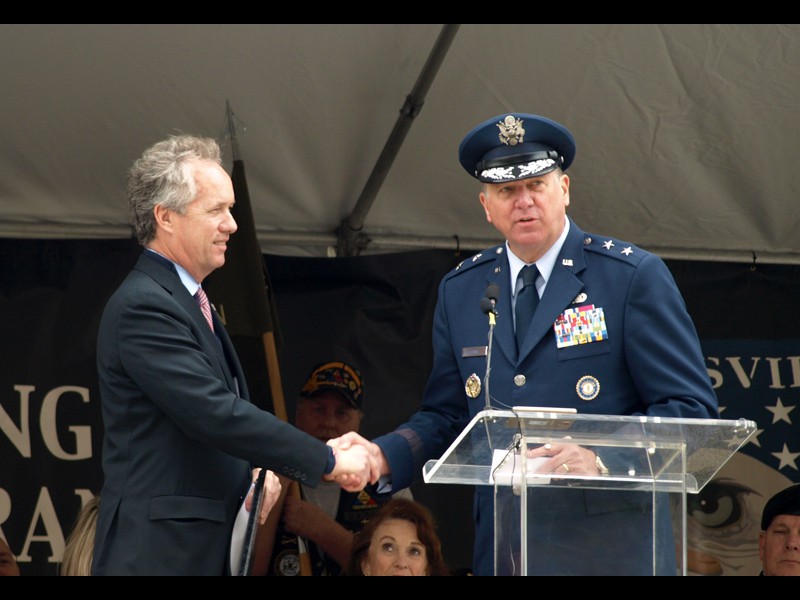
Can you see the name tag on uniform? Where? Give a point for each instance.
(581, 325)
(471, 351)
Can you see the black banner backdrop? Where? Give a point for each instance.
(375, 312)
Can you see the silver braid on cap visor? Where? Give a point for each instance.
(509, 168)
(519, 171)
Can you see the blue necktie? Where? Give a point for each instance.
(526, 303)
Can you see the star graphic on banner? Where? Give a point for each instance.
(754, 440)
(787, 458)
(780, 412)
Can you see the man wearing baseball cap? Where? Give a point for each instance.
(584, 321)
(779, 539)
(330, 404)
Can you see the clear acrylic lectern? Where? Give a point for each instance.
(652, 461)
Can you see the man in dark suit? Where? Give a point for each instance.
(181, 437)
(608, 334)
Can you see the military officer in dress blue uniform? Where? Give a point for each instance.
(610, 335)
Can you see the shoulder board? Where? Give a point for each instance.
(479, 258)
(614, 248)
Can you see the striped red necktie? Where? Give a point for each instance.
(202, 300)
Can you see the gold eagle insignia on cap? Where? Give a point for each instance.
(511, 131)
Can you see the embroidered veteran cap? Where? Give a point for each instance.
(785, 502)
(336, 376)
(516, 146)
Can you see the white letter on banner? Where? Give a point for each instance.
(736, 364)
(47, 421)
(714, 374)
(55, 535)
(21, 436)
(5, 510)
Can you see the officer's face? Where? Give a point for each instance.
(530, 213)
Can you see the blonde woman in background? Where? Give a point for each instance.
(79, 548)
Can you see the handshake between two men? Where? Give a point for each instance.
(358, 462)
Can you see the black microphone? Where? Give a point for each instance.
(493, 293)
(489, 307)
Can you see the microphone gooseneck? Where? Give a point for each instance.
(489, 306)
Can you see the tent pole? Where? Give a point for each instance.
(350, 242)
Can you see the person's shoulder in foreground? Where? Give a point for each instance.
(779, 539)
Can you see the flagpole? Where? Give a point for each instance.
(276, 389)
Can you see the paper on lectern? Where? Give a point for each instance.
(506, 463)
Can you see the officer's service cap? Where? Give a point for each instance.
(515, 146)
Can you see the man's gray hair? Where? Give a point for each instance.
(164, 175)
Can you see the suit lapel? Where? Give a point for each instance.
(164, 273)
(228, 360)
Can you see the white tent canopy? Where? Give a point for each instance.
(687, 134)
